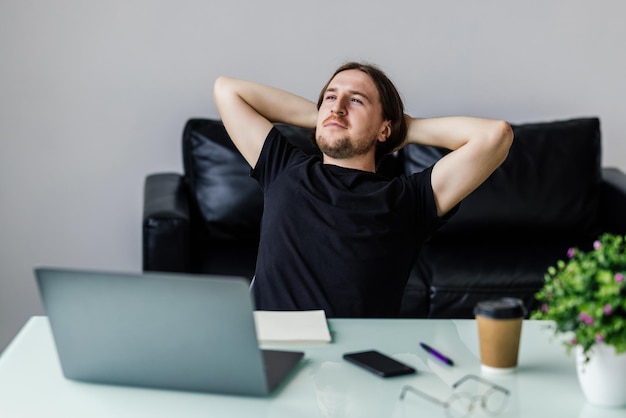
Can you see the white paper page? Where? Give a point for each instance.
(292, 326)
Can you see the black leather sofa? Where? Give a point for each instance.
(550, 194)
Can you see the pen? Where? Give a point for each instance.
(437, 354)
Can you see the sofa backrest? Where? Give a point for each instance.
(547, 189)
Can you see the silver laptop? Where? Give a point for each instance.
(160, 330)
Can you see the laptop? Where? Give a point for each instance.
(160, 330)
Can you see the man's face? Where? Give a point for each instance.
(350, 119)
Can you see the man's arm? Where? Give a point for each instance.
(249, 109)
(478, 147)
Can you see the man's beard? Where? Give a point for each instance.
(343, 148)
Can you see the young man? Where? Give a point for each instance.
(334, 234)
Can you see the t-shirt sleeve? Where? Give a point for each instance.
(276, 155)
(429, 221)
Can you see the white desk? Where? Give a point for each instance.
(545, 385)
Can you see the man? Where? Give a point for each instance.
(334, 234)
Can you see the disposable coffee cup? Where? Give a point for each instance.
(499, 324)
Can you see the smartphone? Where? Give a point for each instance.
(378, 363)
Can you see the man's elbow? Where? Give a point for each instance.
(220, 85)
(225, 89)
(502, 139)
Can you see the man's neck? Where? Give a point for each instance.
(362, 162)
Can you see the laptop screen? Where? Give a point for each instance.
(163, 330)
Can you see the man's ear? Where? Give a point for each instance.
(385, 131)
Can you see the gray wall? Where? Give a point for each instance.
(94, 94)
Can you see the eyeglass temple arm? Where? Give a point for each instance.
(422, 394)
(481, 380)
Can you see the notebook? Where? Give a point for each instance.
(160, 330)
(308, 327)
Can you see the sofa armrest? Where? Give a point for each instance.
(166, 223)
(613, 203)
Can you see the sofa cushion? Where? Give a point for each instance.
(229, 201)
(460, 275)
(549, 186)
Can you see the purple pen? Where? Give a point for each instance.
(437, 354)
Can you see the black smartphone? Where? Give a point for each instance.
(379, 363)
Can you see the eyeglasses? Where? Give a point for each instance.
(461, 404)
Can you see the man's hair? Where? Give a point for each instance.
(391, 103)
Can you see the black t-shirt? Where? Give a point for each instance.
(334, 238)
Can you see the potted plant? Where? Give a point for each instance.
(584, 297)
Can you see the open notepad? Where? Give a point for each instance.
(292, 326)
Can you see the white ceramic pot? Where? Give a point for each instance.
(603, 378)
